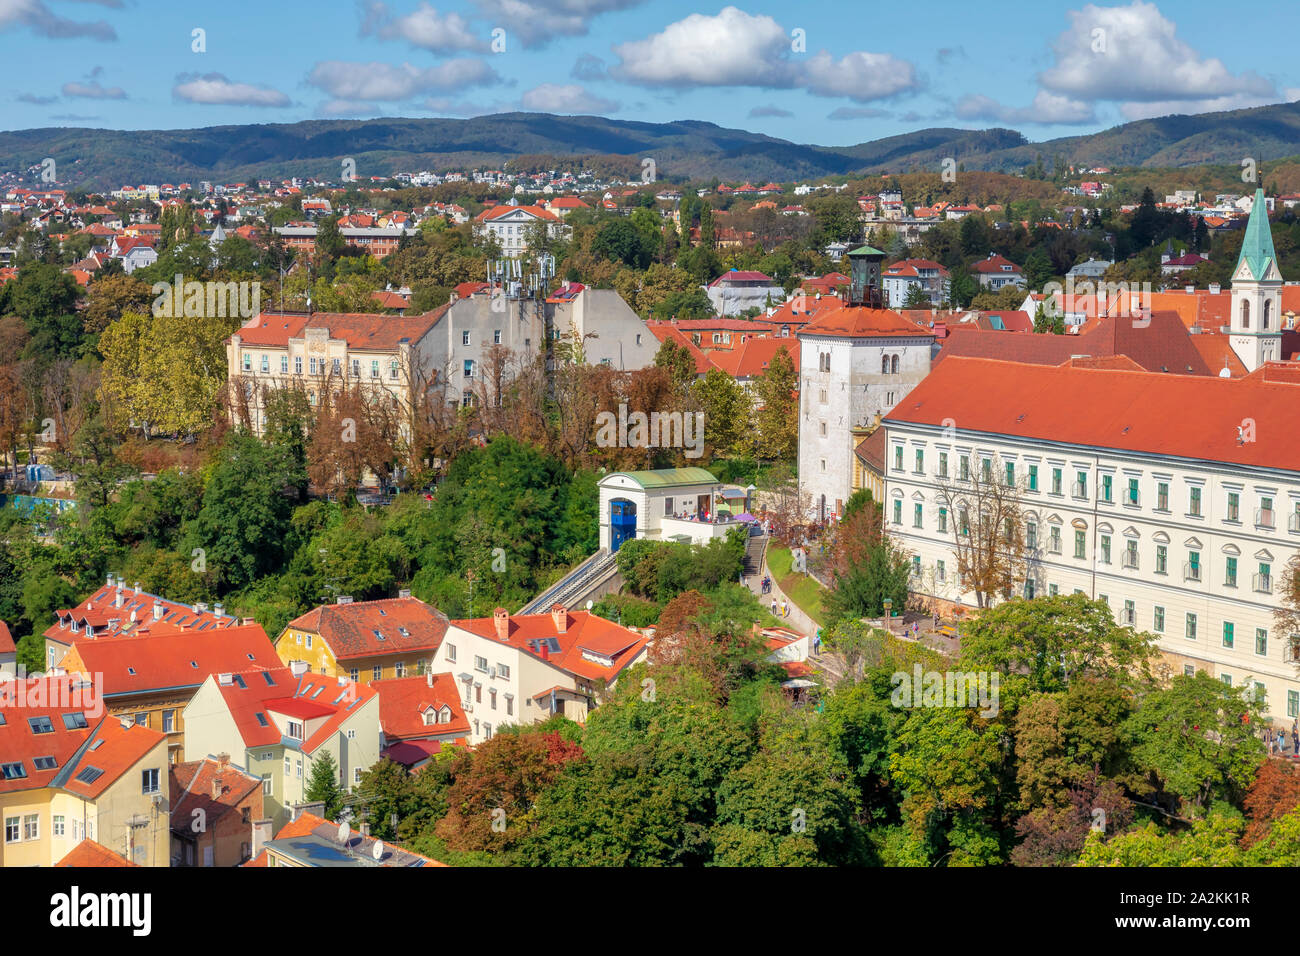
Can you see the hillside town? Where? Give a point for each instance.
(325, 504)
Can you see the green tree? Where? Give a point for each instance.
(323, 785)
(776, 416)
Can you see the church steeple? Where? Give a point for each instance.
(1255, 323)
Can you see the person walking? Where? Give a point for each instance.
(785, 610)
(774, 607)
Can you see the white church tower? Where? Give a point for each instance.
(1256, 323)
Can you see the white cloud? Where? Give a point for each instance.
(424, 28)
(759, 112)
(859, 76)
(385, 81)
(94, 91)
(1132, 54)
(536, 22)
(214, 89)
(733, 48)
(565, 98)
(1235, 101)
(1047, 108)
(41, 20)
(856, 113)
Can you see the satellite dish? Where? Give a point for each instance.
(378, 851)
(344, 832)
(590, 605)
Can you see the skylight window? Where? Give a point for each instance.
(13, 771)
(97, 744)
(239, 679)
(270, 681)
(89, 774)
(45, 763)
(75, 721)
(261, 719)
(131, 671)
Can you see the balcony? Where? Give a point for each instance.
(1191, 572)
(1079, 489)
(1293, 522)
(1130, 561)
(1265, 518)
(1263, 583)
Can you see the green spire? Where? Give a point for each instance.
(1257, 246)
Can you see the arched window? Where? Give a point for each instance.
(1268, 313)
(1245, 313)
(893, 365)
(884, 365)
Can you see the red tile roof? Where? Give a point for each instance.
(404, 700)
(90, 853)
(742, 275)
(308, 824)
(584, 631)
(192, 788)
(368, 628)
(752, 358)
(35, 697)
(995, 264)
(360, 330)
(308, 697)
(7, 645)
(134, 616)
(115, 746)
(861, 322)
(1182, 416)
(496, 212)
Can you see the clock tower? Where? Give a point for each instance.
(1256, 325)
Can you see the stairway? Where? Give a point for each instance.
(754, 548)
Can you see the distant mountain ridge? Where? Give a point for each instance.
(103, 159)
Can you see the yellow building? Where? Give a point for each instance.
(365, 640)
(69, 773)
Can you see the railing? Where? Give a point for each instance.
(1079, 489)
(1265, 518)
(1191, 572)
(1293, 522)
(1263, 583)
(1130, 561)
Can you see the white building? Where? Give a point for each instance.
(856, 361)
(667, 504)
(1176, 499)
(509, 225)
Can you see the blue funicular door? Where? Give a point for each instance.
(622, 522)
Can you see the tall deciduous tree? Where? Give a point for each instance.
(777, 411)
(987, 528)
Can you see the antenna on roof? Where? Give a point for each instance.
(377, 851)
(344, 834)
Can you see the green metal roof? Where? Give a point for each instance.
(670, 477)
(1257, 246)
(866, 251)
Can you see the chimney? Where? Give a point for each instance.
(345, 599)
(158, 610)
(223, 760)
(118, 597)
(544, 649)
(137, 587)
(1214, 288)
(428, 677)
(560, 615)
(121, 582)
(110, 579)
(218, 609)
(501, 620)
(298, 668)
(1189, 289)
(261, 835)
(404, 593)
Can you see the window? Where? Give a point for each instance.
(1192, 572)
(1106, 482)
(1080, 484)
(295, 729)
(940, 571)
(943, 464)
(59, 825)
(13, 771)
(1104, 558)
(1227, 634)
(11, 829)
(1158, 624)
(1132, 498)
(356, 775)
(898, 457)
(478, 693)
(1191, 626)
(399, 669)
(266, 364)
(1162, 496)
(1033, 477)
(1226, 678)
(313, 363)
(1010, 473)
(1131, 554)
(464, 337)
(288, 765)
(1029, 589)
(1194, 502)
(1230, 573)
(32, 826)
(1162, 559)
(492, 698)
(986, 469)
(496, 337)
(374, 368)
(1189, 670)
(41, 725)
(297, 365)
(1056, 481)
(920, 461)
(142, 720)
(1264, 579)
(1080, 544)
(451, 652)
(169, 721)
(481, 664)
(965, 468)
(1031, 534)
(510, 705)
(308, 642)
(1130, 613)
(378, 672)
(149, 781)
(943, 520)
(1264, 517)
(1054, 539)
(284, 365)
(1234, 507)
(266, 784)
(297, 768)
(916, 515)
(898, 512)
(45, 763)
(1261, 641)
(354, 675)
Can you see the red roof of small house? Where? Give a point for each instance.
(583, 631)
(872, 451)
(308, 824)
(390, 300)
(861, 322)
(135, 615)
(1187, 259)
(35, 697)
(752, 358)
(467, 289)
(210, 785)
(403, 702)
(496, 212)
(1191, 417)
(114, 747)
(361, 330)
(7, 645)
(336, 699)
(568, 202)
(664, 331)
(165, 659)
(88, 853)
(369, 628)
(741, 275)
(913, 267)
(996, 265)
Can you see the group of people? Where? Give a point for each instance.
(785, 608)
(767, 584)
(1276, 740)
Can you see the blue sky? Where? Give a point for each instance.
(832, 73)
